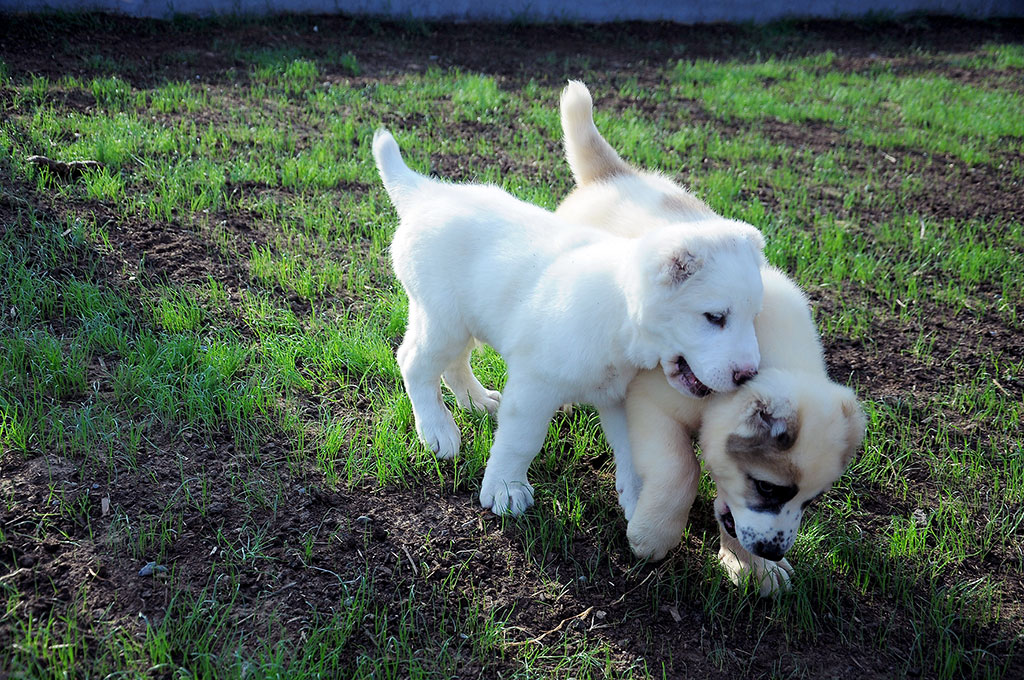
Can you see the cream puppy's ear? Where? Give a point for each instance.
(771, 423)
(775, 420)
(767, 418)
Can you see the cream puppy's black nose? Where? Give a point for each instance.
(769, 551)
(742, 376)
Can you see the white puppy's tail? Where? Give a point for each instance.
(591, 158)
(399, 180)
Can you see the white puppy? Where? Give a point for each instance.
(574, 311)
(772, 446)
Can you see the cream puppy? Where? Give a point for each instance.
(772, 446)
(574, 311)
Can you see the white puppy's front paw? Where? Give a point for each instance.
(506, 497)
(771, 577)
(442, 437)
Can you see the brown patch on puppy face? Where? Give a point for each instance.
(775, 430)
(763, 452)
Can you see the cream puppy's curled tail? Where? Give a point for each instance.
(591, 158)
(399, 180)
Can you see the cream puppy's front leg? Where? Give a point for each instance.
(523, 419)
(669, 472)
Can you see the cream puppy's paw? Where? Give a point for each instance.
(651, 544)
(440, 436)
(653, 534)
(771, 577)
(506, 497)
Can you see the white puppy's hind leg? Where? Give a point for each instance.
(522, 425)
(425, 351)
(469, 393)
(627, 482)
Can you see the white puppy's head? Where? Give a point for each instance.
(772, 447)
(695, 290)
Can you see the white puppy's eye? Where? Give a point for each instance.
(715, 319)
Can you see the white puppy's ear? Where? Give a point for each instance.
(755, 237)
(748, 235)
(679, 266)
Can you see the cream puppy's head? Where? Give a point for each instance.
(695, 290)
(772, 447)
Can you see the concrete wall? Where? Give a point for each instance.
(684, 11)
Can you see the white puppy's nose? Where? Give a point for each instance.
(742, 375)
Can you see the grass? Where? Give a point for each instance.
(210, 410)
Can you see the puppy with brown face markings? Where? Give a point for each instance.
(773, 446)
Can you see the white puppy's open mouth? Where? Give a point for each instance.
(683, 379)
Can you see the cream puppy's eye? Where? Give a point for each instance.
(715, 319)
(774, 493)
